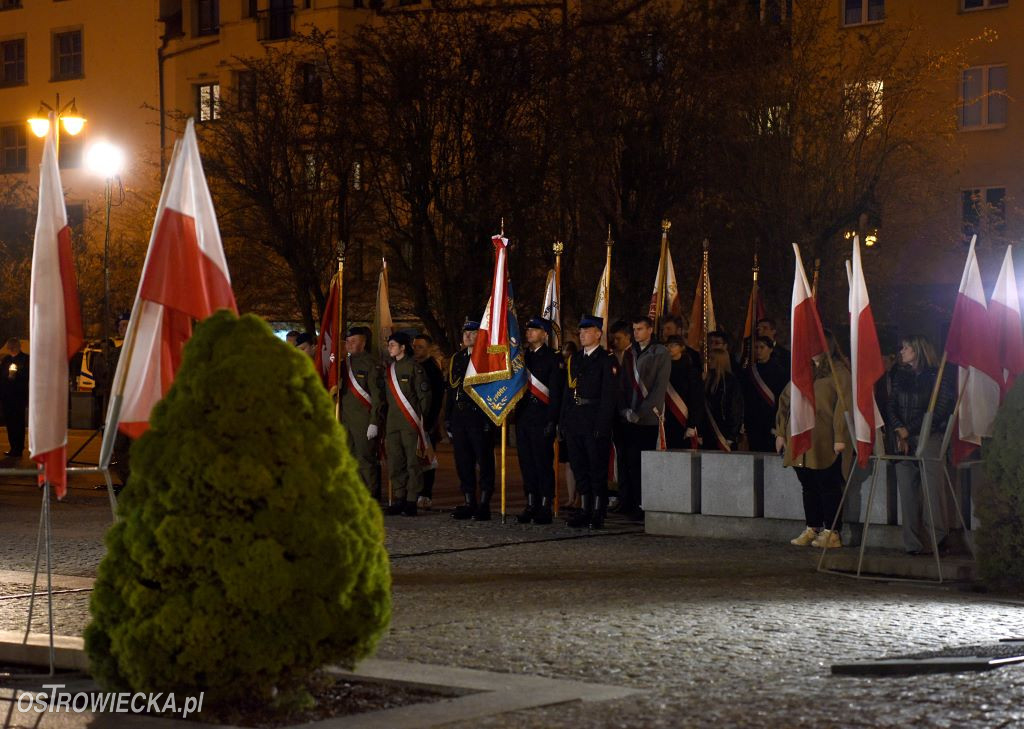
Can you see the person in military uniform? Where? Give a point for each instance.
(408, 398)
(588, 411)
(536, 420)
(14, 395)
(471, 433)
(421, 345)
(362, 404)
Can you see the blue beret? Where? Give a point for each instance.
(539, 323)
(470, 326)
(589, 320)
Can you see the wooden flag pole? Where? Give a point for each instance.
(504, 436)
(607, 285)
(705, 294)
(338, 329)
(814, 278)
(558, 248)
(753, 311)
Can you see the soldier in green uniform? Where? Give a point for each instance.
(362, 404)
(408, 398)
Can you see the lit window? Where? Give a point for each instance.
(863, 107)
(13, 149)
(858, 12)
(208, 102)
(983, 101)
(12, 62)
(982, 4)
(67, 55)
(983, 212)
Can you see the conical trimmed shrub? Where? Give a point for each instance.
(999, 500)
(248, 552)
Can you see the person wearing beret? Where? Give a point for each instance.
(471, 433)
(408, 398)
(362, 404)
(588, 411)
(536, 419)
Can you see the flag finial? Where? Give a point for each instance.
(502, 227)
(558, 247)
(609, 242)
(665, 225)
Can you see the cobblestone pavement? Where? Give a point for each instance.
(718, 633)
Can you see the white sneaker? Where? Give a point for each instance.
(827, 539)
(424, 502)
(807, 536)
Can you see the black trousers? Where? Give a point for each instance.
(823, 489)
(588, 457)
(14, 417)
(473, 447)
(536, 460)
(635, 440)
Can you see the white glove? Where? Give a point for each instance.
(690, 432)
(371, 432)
(631, 417)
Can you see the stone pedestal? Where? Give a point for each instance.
(783, 497)
(732, 484)
(670, 481)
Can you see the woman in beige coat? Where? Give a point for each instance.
(822, 470)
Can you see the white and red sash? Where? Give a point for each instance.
(357, 390)
(723, 443)
(639, 385)
(675, 405)
(761, 386)
(539, 390)
(424, 450)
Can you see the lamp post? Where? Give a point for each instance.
(105, 159)
(67, 115)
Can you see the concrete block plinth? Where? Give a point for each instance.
(783, 496)
(670, 481)
(732, 484)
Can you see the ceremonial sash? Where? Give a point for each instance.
(638, 384)
(361, 395)
(539, 390)
(722, 442)
(424, 449)
(761, 386)
(676, 406)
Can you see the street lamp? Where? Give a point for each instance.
(67, 115)
(106, 160)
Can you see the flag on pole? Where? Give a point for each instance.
(1004, 312)
(703, 307)
(865, 360)
(496, 376)
(666, 291)
(55, 325)
(327, 343)
(184, 278)
(601, 298)
(969, 345)
(808, 339)
(755, 313)
(383, 327)
(552, 309)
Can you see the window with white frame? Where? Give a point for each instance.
(207, 102)
(13, 148)
(12, 62)
(982, 4)
(858, 12)
(863, 107)
(67, 55)
(983, 212)
(983, 101)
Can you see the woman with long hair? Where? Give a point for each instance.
(823, 468)
(764, 382)
(911, 383)
(723, 404)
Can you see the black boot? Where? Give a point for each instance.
(542, 513)
(466, 510)
(527, 514)
(582, 517)
(600, 509)
(395, 509)
(409, 508)
(483, 512)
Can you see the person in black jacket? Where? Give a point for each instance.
(421, 345)
(723, 403)
(683, 421)
(763, 382)
(588, 410)
(913, 380)
(14, 395)
(536, 420)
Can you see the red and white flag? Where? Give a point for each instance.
(866, 361)
(55, 325)
(327, 345)
(969, 345)
(1004, 313)
(808, 340)
(184, 278)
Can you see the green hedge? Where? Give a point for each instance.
(999, 502)
(248, 552)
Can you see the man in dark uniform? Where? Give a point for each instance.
(408, 398)
(536, 420)
(14, 395)
(471, 433)
(588, 411)
(421, 345)
(362, 404)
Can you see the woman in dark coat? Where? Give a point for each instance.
(763, 382)
(684, 401)
(723, 405)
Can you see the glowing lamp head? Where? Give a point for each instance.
(40, 125)
(104, 159)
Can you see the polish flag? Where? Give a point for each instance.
(1004, 313)
(55, 325)
(185, 278)
(970, 345)
(866, 361)
(808, 339)
(328, 346)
